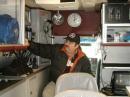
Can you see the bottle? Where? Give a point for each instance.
(117, 14)
(29, 32)
(34, 63)
(116, 37)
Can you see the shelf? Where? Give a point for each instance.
(115, 44)
(14, 47)
(116, 65)
(115, 33)
(118, 24)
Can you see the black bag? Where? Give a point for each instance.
(17, 67)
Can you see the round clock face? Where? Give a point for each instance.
(74, 20)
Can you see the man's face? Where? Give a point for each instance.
(71, 46)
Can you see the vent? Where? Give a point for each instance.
(117, 1)
(63, 1)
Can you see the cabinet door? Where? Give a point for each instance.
(37, 82)
(40, 27)
(33, 86)
(18, 91)
(117, 13)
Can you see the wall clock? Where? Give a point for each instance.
(74, 20)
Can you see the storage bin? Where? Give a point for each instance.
(15, 9)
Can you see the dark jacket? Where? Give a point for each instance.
(58, 58)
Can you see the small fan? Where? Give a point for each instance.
(58, 18)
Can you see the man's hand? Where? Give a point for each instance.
(27, 42)
(72, 67)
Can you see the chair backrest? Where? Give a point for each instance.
(79, 93)
(80, 81)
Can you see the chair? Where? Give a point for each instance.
(79, 81)
(79, 93)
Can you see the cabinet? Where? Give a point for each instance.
(41, 27)
(37, 82)
(116, 23)
(115, 32)
(17, 91)
(16, 10)
(31, 86)
(41, 30)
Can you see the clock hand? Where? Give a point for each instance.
(74, 18)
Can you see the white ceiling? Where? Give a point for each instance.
(57, 5)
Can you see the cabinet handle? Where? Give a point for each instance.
(33, 77)
(30, 92)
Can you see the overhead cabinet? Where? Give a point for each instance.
(17, 91)
(116, 23)
(117, 13)
(12, 22)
